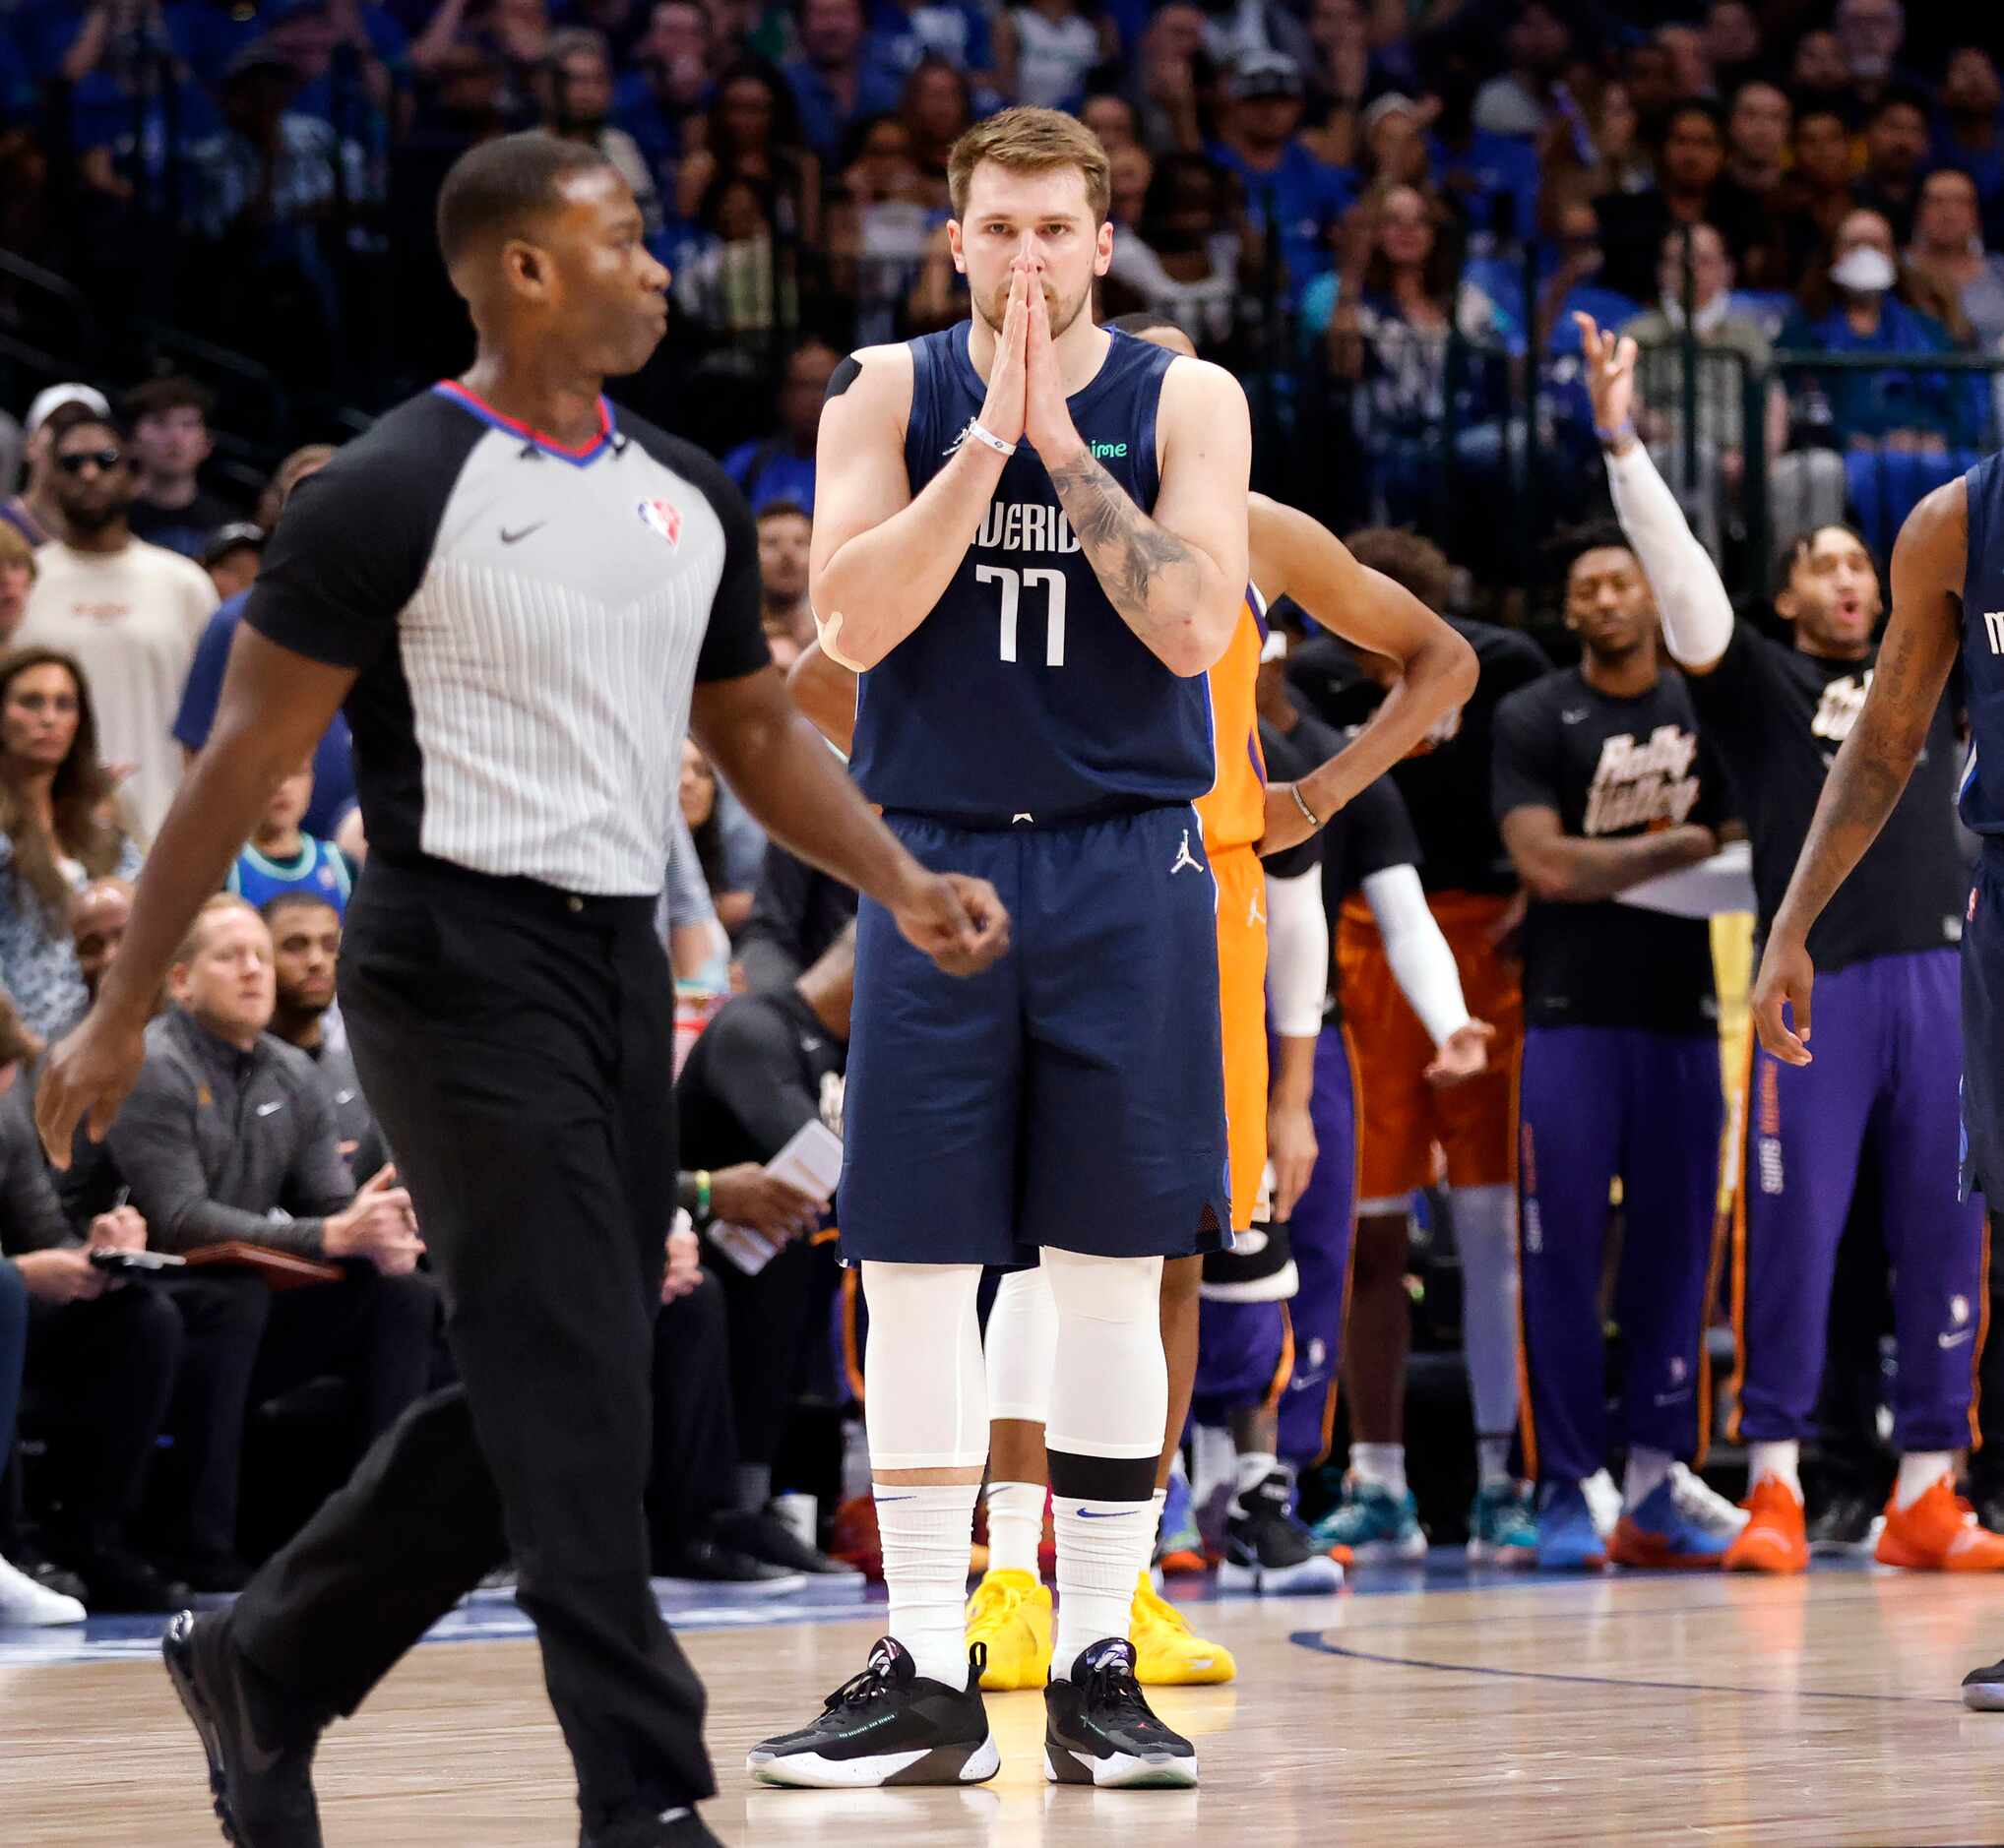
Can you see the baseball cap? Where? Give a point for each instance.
(226, 540)
(1392, 103)
(58, 396)
(1265, 74)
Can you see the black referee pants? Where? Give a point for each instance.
(515, 1044)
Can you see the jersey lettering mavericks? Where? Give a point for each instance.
(1024, 695)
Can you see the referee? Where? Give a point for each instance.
(522, 597)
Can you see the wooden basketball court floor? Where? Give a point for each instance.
(1419, 1706)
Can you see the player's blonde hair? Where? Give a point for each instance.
(1031, 141)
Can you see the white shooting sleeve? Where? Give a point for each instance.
(1691, 599)
(1297, 954)
(1421, 964)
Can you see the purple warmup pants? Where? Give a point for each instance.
(1595, 1102)
(1322, 1230)
(1888, 1066)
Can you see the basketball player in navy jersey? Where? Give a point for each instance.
(1030, 543)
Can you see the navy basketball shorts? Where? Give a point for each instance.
(1983, 972)
(1072, 1096)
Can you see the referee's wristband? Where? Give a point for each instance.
(1608, 438)
(981, 434)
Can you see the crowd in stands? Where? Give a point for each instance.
(1398, 204)
(1389, 204)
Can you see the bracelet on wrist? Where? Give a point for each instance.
(982, 434)
(1302, 803)
(702, 1194)
(1608, 438)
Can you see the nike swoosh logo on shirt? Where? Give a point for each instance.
(521, 533)
(1956, 1340)
(265, 1110)
(342, 1097)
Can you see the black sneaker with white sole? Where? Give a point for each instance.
(1984, 1688)
(1267, 1550)
(765, 1536)
(888, 1725)
(260, 1752)
(1098, 1728)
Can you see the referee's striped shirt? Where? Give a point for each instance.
(526, 622)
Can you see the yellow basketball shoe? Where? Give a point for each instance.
(1010, 1611)
(1166, 1653)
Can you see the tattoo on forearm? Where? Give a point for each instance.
(1128, 551)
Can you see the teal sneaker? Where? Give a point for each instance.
(1502, 1526)
(1376, 1525)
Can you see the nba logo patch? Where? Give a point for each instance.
(664, 518)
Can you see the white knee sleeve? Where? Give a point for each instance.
(1110, 1384)
(927, 1399)
(1022, 1347)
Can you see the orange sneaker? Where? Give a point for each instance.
(1939, 1533)
(1775, 1538)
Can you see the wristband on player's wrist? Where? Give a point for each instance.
(1609, 438)
(982, 434)
(693, 1193)
(1302, 803)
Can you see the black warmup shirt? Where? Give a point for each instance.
(526, 622)
(1777, 717)
(1446, 790)
(761, 1069)
(1611, 769)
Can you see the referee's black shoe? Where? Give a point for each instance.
(260, 1752)
(1098, 1728)
(888, 1725)
(1984, 1688)
(676, 1828)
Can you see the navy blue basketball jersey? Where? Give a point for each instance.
(1024, 694)
(1982, 792)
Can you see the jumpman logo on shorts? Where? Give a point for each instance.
(1253, 914)
(1185, 858)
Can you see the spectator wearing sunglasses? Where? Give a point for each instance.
(129, 612)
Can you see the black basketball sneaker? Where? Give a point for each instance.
(1098, 1729)
(888, 1725)
(1984, 1688)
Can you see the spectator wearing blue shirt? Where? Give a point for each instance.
(1864, 303)
(832, 81)
(1290, 196)
(334, 776)
(905, 33)
(281, 857)
(1970, 133)
(668, 84)
(781, 467)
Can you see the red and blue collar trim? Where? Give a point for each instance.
(477, 405)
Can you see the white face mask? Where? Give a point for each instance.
(1866, 271)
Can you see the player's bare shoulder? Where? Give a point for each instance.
(1934, 546)
(869, 388)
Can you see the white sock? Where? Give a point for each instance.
(1014, 1525)
(1646, 1469)
(1254, 1467)
(1492, 1458)
(1919, 1471)
(1486, 1236)
(926, 1529)
(1779, 1459)
(1103, 1547)
(1382, 1465)
(1160, 1502)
